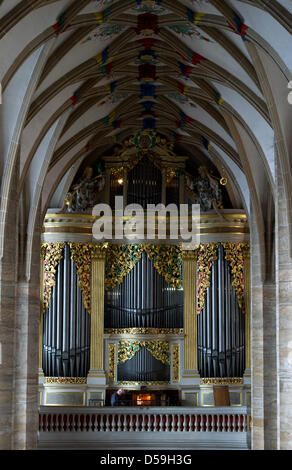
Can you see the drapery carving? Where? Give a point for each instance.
(235, 253)
(207, 253)
(121, 259)
(167, 260)
(158, 349)
(51, 254)
(81, 255)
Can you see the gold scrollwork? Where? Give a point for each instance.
(167, 260)
(111, 363)
(121, 259)
(65, 380)
(222, 381)
(158, 349)
(51, 254)
(207, 253)
(138, 384)
(236, 253)
(82, 254)
(175, 353)
(144, 331)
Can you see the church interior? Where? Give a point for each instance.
(168, 103)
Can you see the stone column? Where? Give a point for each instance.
(26, 356)
(96, 373)
(270, 365)
(284, 316)
(8, 286)
(257, 340)
(8, 274)
(190, 372)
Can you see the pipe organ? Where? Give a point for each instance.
(144, 314)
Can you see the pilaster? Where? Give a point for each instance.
(96, 373)
(190, 375)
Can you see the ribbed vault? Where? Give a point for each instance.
(80, 75)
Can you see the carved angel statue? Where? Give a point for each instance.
(206, 191)
(84, 195)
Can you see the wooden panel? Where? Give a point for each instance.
(221, 396)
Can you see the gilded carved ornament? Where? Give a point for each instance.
(82, 255)
(111, 363)
(121, 259)
(175, 363)
(65, 380)
(144, 331)
(236, 253)
(51, 254)
(158, 349)
(207, 253)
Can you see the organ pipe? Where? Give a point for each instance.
(66, 326)
(221, 326)
(144, 299)
(143, 367)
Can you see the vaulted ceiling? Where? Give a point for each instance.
(79, 75)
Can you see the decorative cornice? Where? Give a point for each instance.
(65, 380)
(222, 381)
(144, 331)
(137, 384)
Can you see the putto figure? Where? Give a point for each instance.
(85, 194)
(206, 191)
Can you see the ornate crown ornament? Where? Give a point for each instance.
(145, 140)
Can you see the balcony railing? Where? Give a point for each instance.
(137, 424)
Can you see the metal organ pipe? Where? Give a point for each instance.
(72, 346)
(228, 353)
(144, 299)
(221, 326)
(149, 300)
(66, 330)
(59, 318)
(66, 307)
(143, 367)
